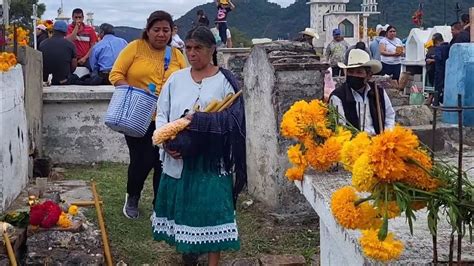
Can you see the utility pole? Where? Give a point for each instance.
(34, 17)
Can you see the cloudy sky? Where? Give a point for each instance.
(126, 12)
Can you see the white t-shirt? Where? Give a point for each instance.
(391, 47)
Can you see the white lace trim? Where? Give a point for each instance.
(195, 235)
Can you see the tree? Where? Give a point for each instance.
(22, 10)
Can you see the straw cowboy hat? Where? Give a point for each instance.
(359, 58)
(310, 32)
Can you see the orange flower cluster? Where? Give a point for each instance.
(22, 35)
(7, 61)
(319, 146)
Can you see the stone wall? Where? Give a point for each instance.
(74, 129)
(32, 62)
(14, 136)
(276, 75)
(234, 59)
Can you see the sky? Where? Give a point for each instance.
(126, 12)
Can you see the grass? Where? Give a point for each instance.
(132, 242)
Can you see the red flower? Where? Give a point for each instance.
(45, 215)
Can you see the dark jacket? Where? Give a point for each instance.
(441, 56)
(344, 93)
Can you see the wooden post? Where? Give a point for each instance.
(471, 20)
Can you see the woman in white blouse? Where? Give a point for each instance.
(391, 53)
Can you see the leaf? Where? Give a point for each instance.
(384, 229)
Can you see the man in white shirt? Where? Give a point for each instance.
(360, 103)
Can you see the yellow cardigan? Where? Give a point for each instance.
(140, 65)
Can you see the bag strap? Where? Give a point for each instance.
(168, 52)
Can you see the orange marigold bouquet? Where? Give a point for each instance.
(7, 61)
(22, 35)
(392, 174)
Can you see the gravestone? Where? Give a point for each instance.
(276, 75)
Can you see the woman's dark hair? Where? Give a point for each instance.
(465, 18)
(203, 35)
(154, 17)
(390, 28)
(383, 33)
(437, 37)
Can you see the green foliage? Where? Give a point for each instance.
(260, 18)
(22, 10)
(239, 39)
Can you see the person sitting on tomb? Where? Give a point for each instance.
(41, 34)
(356, 99)
(309, 36)
(335, 52)
(176, 41)
(59, 56)
(104, 54)
(466, 23)
(83, 36)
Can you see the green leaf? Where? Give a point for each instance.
(383, 230)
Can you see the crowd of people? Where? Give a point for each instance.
(96, 53)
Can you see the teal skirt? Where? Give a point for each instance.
(196, 213)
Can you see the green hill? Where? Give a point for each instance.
(260, 18)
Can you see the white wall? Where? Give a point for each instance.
(13, 136)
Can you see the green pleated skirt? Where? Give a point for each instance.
(196, 213)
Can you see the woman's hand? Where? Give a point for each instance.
(176, 155)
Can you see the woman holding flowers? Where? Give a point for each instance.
(195, 207)
(149, 60)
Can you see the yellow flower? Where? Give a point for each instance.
(386, 250)
(388, 151)
(353, 149)
(363, 174)
(295, 155)
(295, 173)
(343, 135)
(369, 218)
(419, 165)
(72, 210)
(322, 157)
(392, 209)
(64, 221)
(305, 119)
(344, 209)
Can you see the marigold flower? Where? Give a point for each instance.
(305, 119)
(388, 151)
(72, 210)
(295, 155)
(344, 209)
(353, 149)
(322, 157)
(369, 218)
(363, 174)
(392, 209)
(386, 250)
(419, 165)
(64, 221)
(295, 173)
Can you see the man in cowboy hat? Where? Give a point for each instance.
(308, 35)
(358, 101)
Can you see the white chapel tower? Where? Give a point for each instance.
(327, 15)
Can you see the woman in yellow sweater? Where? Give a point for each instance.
(144, 62)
